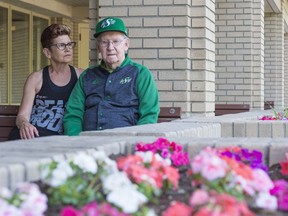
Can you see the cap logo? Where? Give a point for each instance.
(107, 23)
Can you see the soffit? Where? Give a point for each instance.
(75, 3)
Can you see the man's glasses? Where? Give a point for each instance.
(114, 43)
(62, 46)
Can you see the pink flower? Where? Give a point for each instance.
(261, 181)
(280, 190)
(199, 197)
(91, 209)
(70, 211)
(178, 208)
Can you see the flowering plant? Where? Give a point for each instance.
(213, 203)
(92, 209)
(280, 189)
(26, 200)
(152, 173)
(93, 184)
(166, 149)
(276, 115)
(215, 170)
(85, 178)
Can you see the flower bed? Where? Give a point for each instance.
(158, 179)
(276, 115)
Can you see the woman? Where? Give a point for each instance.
(46, 91)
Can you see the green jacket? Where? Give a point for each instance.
(103, 100)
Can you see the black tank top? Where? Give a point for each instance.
(49, 103)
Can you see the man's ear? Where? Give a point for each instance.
(127, 42)
(47, 52)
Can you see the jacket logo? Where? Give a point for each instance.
(95, 82)
(107, 23)
(125, 80)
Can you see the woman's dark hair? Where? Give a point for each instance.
(53, 31)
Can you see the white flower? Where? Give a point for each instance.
(115, 181)
(146, 156)
(166, 161)
(5, 193)
(8, 210)
(151, 212)
(110, 166)
(86, 162)
(45, 171)
(127, 198)
(99, 155)
(266, 201)
(60, 175)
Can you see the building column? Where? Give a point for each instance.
(274, 59)
(285, 70)
(240, 52)
(202, 77)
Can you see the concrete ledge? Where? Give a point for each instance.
(15, 168)
(20, 160)
(165, 129)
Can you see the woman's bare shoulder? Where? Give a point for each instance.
(35, 76)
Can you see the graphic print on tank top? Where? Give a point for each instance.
(50, 101)
(48, 114)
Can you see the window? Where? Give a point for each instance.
(3, 55)
(20, 51)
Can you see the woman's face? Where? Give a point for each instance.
(112, 45)
(58, 55)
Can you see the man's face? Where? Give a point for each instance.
(112, 45)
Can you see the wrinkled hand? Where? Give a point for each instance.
(28, 131)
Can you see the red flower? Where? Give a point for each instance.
(284, 167)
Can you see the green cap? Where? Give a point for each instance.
(110, 24)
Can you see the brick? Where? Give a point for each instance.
(4, 180)
(16, 173)
(227, 129)
(265, 129)
(252, 129)
(239, 129)
(277, 152)
(174, 53)
(278, 129)
(143, 11)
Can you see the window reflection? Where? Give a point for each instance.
(20, 53)
(3, 55)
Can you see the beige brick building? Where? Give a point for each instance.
(207, 52)
(200, 52)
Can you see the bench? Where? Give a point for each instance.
(222, 109)
(168, 114)
(8, 115)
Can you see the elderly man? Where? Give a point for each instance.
(116, 93)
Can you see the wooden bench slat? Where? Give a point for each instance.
(7, 121)
(9, 109)
(5, 131)
(8, 115)
(222, 109)
(168, 114)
